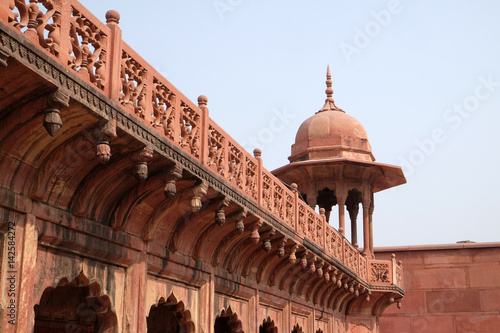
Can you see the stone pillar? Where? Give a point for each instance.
(253, 308)
(372, 207)
(135, 307)
(353, 214)
(207, 300)
(114, 84)
(311, 197)
(341, 203)
(25, 278)
(341, 198)
(366, 228)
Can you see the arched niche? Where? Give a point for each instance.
(268, 326)
(326, 199)
(228, 322)
(76, 306)
(169, 316)
(297, 328)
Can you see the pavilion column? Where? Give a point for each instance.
(372, 207)
(353, 214)
(341, 203)
(366, 228)
(312, 200)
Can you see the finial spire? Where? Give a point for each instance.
(329, 102)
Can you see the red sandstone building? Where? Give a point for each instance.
(126, 208)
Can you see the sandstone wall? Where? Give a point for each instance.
(448, 288)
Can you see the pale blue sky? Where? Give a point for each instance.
(409, 71)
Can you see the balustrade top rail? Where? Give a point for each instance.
(67, 32)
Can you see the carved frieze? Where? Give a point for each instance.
(88, 54)
(379, 272)
(163, 109)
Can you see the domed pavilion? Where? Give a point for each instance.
(332, 164)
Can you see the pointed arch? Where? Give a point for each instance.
(228, 322)
(76, 306)
(268, 326)
(297, 328)
(169, 316)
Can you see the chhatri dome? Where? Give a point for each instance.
(331, 133)
(332, 165)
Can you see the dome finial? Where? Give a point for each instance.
(329, 102)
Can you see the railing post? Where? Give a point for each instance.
(323, 227)
(202, 104)
(295, 206)
(114, 84)
(65, 42)
(257, 153)
(393, 270)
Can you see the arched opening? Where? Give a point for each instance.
(326, 199)
(75, 306)
(228, 322)
(297, 328)
(169, 316)
(268, 326)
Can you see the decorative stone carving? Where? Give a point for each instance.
(319, 268)
(169, 316)
(281, 248)
(302, 219)
(311, 226)
(290, 209)
(171, 176)
(91, 60)
(51, 117)
(267, 242)
(235, 166)
(36, 20)
(379, 272)
(333, 243)
(3, 58)
(399, 274)
(198, 191)
(190, 130)
(102, 137)
(254, 235)
(163, 109)
(278, 195)
(251, 179)
(363, 267)
(292, 258)
(220, 216)
(76, 306)
(133, 77)
(228, 322)
(240, 226)
(141, 159)
(350, 256)
(267, 198)
(216, 146)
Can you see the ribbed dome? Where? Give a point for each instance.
(331, 133)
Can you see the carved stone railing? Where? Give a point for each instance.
(71, 35)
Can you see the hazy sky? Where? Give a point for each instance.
(423, 77)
